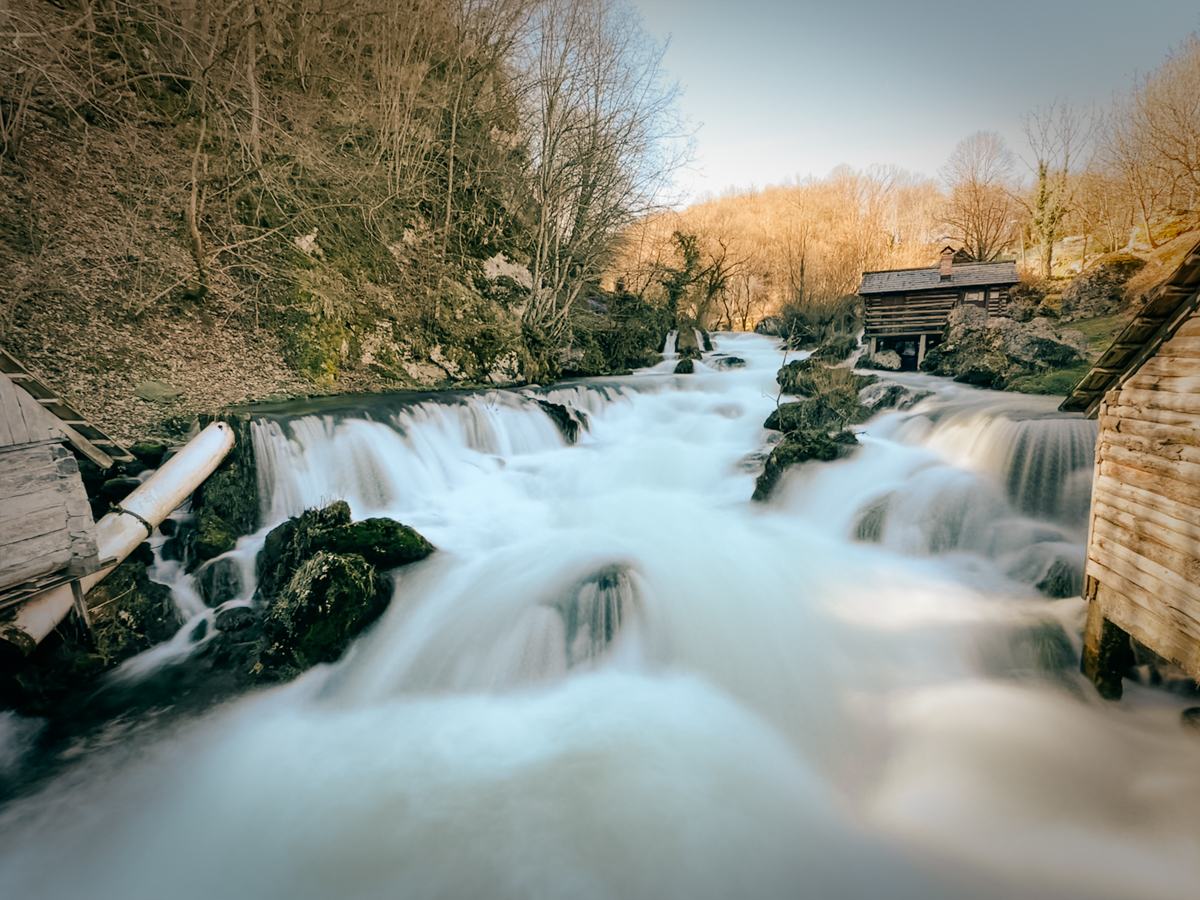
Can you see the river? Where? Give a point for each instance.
(618, 677)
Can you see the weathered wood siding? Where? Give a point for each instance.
(46, 530)
(45, 524)
(1143, 563)
(895, 315)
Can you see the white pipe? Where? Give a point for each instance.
(118, 533)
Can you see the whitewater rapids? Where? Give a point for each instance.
(619, 678)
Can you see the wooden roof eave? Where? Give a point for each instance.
(89, 440)
(1169, 306)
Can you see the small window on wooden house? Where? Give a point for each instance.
(977, 298)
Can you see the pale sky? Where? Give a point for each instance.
(783, 89)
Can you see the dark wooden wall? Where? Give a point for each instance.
(923, 313)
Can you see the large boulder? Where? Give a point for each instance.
(383, 543)
(1037, 343)
(799, 447)
(993, 352)
(884, 360)
(328, 600)
(1100, 291)
(771, 326)
(890, 395)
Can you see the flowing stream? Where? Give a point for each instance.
(619, 678)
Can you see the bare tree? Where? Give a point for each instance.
(1152, 145)
(1167, 104)
(981, 211)
(604, 139)
(1058, 136)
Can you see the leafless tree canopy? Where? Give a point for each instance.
(980, 211)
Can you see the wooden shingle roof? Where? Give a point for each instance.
(911, 281)
(1168, 307)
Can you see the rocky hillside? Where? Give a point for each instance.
(252, 201)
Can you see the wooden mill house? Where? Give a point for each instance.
(1143, 558)
(907, 309)
(47, 534)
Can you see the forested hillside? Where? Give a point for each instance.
(263, 196)
(1081, 185)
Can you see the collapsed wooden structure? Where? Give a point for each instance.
(907, 309)
(1143, 559)
(47, 534)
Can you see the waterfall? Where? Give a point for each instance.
(618, 677)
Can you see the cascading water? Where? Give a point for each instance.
(619, 678)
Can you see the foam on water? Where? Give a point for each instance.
(618, 677)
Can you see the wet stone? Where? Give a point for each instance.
(726, 362)
(234, 619)
(220, 581)
(214, 535)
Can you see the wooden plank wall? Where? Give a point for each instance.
(916, 314)
(46, 527)
(1144, 547)
(46, 524)
(922, 313)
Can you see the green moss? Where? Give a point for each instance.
(231, 492)
(795, 448)
(836, 348)
(1058, 382)
(1100, 331)
(381, 542)
(313, 347)
(214, 535)
(326, 602)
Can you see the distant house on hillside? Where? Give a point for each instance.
(1143, 560)
(907, 308)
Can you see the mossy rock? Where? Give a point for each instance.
(214, 535)
(384, 543)
(290, 543)
(798, 447)
(785, 417)
(129, 614)
(328, 601)
(836, 349)
(150, 453)
(685, 367)
(794, 376)
(231, 492)
(823, 413)
(810, 377)
(686, 346)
